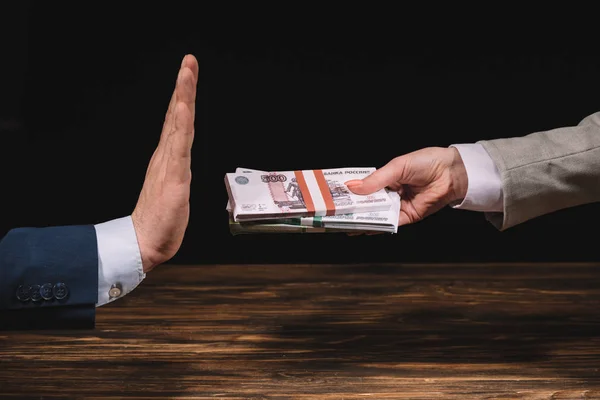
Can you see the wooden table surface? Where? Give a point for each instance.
(381, 331)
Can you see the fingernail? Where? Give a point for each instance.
(183, 61)
(353, 184)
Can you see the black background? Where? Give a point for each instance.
(88, 86)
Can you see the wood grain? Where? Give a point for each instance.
(381, 331)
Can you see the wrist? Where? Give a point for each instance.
(459, 181)
(148, 262)
(147, 254)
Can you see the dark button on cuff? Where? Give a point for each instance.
(35, 293)
(61, 291)
(46, 291)
(24, 293)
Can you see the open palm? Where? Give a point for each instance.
(162, 212)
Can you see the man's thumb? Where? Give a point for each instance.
(379, 179)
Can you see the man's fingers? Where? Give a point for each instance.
(178, 126)
(404, 219)
(385, 176)
(169, 117)
(181, 140)
(190, 62)
(182, 132)
(186, 89)
(189, 83)
(185, 85)
(396, 187)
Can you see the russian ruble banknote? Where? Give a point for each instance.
(258, 195)
(375, 221)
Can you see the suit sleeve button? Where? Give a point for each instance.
(46, 291)
(24, 293)
(35, 293)
(60, 291)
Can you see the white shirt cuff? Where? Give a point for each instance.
(119, 260)
(484, 190)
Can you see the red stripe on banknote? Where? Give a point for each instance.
(308, 201)
(325, 192)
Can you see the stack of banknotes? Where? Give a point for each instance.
(307, 201)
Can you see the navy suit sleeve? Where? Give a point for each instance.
(49, 278)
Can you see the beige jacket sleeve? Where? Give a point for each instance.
(547, 171)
